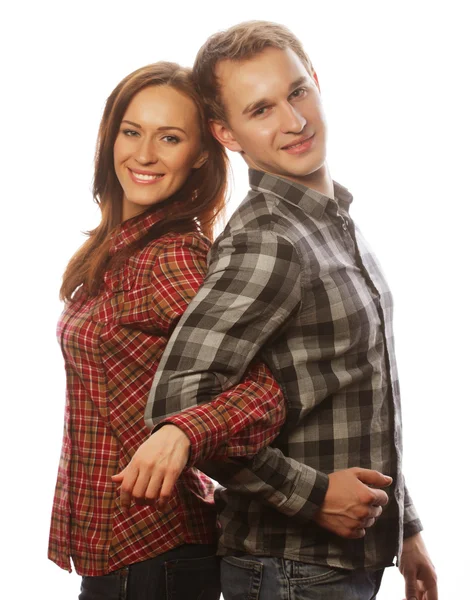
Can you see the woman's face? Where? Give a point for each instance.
(158, 143)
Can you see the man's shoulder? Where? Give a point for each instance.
(258, 211)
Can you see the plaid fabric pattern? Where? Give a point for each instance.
(292, 280)
(112, 344)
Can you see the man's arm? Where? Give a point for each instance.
(417, 569)
(415, 563)
(252, 291)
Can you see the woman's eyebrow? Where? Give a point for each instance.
(163, 128)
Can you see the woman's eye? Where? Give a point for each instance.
(130, 132)
(172, 139)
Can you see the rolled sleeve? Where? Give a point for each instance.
(411, 522)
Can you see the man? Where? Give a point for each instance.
(290, 279)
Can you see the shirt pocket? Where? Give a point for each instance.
(115, 296)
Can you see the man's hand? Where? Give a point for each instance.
(154, 468)
(418, 570)
(350, 505)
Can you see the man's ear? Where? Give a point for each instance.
(225, 136)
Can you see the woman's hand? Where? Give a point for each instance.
(154, 468)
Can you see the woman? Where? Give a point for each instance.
(160, 181)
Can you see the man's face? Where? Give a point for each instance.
(274, 114)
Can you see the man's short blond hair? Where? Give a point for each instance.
(239, 43)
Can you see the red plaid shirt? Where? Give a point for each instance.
(112, 344)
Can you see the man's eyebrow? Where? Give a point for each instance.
(298, 82)
(165, 128)
(264, 101)
(255, 106)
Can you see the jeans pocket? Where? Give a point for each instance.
(104, 587)
(193, 578)
(241, 578)
(305, 573)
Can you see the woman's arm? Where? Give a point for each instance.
(239, 421)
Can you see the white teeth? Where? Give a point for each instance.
(143, 177)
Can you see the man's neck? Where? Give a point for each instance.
(320, 181)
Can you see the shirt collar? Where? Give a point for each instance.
(133, 229)
(311, 201)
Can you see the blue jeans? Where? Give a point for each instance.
(190, 572)
(267, 578)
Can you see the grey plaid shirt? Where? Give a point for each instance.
(292, 280)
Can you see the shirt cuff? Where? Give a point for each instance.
(195, 424)
(412, 524)
(308, 494)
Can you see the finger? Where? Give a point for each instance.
(411, 589)
(167, 488)
(125, 501)
(126, 487)
(375, 512)
(352, 528)
(370, 477)
(379, 498)
(153, 488)
(368, 523)
(139, 489)
(431, 594)
(119, 476)
(357, 533)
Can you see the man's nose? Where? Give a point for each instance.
(292, 120)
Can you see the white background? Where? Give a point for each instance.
(394, 83)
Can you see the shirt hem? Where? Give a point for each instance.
(305, 559)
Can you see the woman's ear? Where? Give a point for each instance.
(225, 136)
(201, 159)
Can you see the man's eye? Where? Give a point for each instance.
(260, 111)
(298, 93)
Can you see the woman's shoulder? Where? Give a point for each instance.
(169, 242)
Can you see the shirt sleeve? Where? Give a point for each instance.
(252, 291)
(290, 487)
(249, 415)
(411, 521)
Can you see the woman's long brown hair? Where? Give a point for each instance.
(196, 205)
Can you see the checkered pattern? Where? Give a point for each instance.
(292, 280)
(112, 344)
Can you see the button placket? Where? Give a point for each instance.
(344, 221)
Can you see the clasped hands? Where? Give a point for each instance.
(352, 503)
